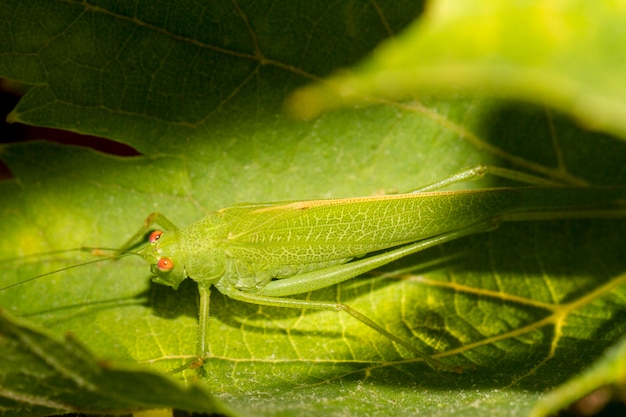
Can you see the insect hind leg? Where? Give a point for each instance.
(479, 171)
(332, 306)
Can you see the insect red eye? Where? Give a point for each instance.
(165, 264)
(154, 236)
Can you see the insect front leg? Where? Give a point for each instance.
(153, 218)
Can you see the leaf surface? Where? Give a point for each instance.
(198, 88)
(561, 54)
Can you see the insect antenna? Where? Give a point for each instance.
(99, 252)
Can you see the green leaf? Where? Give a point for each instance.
(57, 368)
(198, 89)
(564, 55)
(609, 373)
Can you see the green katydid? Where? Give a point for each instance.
(265, 253)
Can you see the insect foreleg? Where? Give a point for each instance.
(153, 218)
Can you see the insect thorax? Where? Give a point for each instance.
(200, 246)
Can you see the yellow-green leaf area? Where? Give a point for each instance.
(566, 54)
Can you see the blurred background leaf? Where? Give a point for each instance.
(564, 54)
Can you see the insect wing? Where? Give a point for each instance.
(325, 230)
